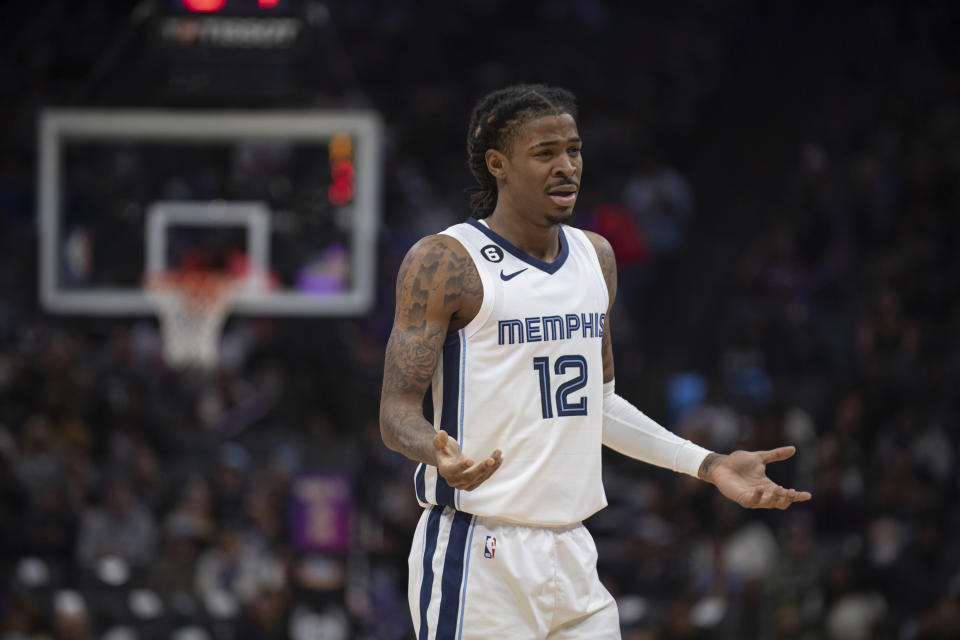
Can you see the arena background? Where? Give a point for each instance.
(780, 183)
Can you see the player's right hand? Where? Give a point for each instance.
(459, 471)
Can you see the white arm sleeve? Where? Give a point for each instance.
(628, 430)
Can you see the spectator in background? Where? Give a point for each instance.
(630, 247)
(791, 591)
(49, 526)
(230, 566)
(233, 464)
(175, 574)
(193, 513)
(71, 619)
(119, 527)
(661, 199)
(38, 463)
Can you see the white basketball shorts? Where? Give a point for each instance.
(475, 578)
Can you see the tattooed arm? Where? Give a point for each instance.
(438, 291)
(608, 264)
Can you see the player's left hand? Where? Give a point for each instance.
(741, 476)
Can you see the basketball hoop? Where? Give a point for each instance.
(192, 306)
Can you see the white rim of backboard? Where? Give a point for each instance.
(205, 126)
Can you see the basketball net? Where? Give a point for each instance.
(192, 306)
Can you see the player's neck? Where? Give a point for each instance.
(539, 241)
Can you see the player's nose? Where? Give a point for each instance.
(564, 167)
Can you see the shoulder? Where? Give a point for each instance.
(434, 247)
(432, 256)
(608, 261)
(603, 249)
(439, 263)
(601, 244)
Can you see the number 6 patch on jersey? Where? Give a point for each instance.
(490, 547)
(492, 252)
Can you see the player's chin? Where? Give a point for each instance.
(559, 215)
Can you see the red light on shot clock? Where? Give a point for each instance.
(268, 4)
(204, 6)
(342, 171)
(340, 193)
(341, 190)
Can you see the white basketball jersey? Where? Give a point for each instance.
(526, 377)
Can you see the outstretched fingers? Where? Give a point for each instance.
(478, 473)
(458, 470)
(778, 454)
(774, 497)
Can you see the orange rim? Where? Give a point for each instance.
(199, 288)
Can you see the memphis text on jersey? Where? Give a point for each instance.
(549, 328)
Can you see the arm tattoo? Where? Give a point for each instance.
(708, 462)
(606, 350)
(412, 357)
(608, 265)
(413, 281)
(430, 284)
(453, 288)
(463, 291)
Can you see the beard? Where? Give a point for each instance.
(558, 218)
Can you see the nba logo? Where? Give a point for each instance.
(490, 547)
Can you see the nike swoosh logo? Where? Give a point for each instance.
(505, 277)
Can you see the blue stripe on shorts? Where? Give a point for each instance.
(453, 577)
(426, 585)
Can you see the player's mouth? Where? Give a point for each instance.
(564, 195)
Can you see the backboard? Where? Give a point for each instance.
(295, 194)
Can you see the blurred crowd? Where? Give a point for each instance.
(257, 502)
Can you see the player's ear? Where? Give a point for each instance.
(496, 163)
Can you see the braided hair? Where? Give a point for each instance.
(496, 118)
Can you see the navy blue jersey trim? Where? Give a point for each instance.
(426, 585)
(463, 389)
(548, 267)
(449, 414)
(420, 483)
(452, 577)
(419, 478)
(428, 404)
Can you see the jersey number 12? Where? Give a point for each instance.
(565, 406)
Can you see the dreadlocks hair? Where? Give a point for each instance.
(495, 119)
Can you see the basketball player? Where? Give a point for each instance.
(499, 381)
